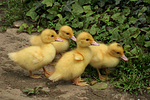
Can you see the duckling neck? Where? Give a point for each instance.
(85, 51)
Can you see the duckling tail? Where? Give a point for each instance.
(55, 77)
(12, 56)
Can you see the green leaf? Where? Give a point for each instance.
(117, 16)
(105, 18)
(21, 28)
(58, 25)
(101, 85)
(48, 3)
(83, 2)
(136, 33)
(126, 11)
(147, 1)
(40, 29)
(87, 10)
(134, 51)
(29, 30)
(132, 20)
(147, 44)
(143, 9)
(77, 9)
(93, 29)
(32, 13)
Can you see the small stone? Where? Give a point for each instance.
(46, 89)
(18, 23)
(101, 85)
(12, 30)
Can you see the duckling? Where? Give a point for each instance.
(73, 63)
(65, 33)
(106, 56)
(35, 57)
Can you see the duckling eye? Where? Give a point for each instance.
(118, 52)
(87, 39)
(67, 33)
(52, 35)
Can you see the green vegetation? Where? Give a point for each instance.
(123, 21)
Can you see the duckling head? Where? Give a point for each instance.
(49, 35)
(116, 50)
(66, 32)
(85, 39)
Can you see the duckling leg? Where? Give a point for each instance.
(79, 82)
(101, 77)
(53, 63)
(32, 76)
(107, 71)
(47, 73)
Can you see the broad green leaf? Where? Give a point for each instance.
(132, 20)
(123, 26)
(48, 3)
(117, 2)
(105, 18)
(147, 44)
(21, 28)
(32, 13)
(29, 30)
(147, 1)
(87, 10)
(143, 9)
(101, 85)
(132, 29)
(83, 2)
(136, 33)
(115, 16)
(114, 32)
(77, 9)
(67, 8)
(60, 16)
(40, 29)
(58, 25)
(126, 11)
(93, 29)
(134, 51)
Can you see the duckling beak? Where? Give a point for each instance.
(58, 39)
(123, 57)
(94, 43)
(73, 38)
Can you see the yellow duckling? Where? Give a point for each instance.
(73, 63)
(105, 56)
(35, 57)
(65, 33)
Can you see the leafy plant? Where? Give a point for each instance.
(34, 91)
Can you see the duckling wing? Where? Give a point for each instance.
(78, 56)
(37, 57)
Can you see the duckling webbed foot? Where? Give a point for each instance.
(47, 73)
(79, 82)
(33, 76)
(103, 77)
